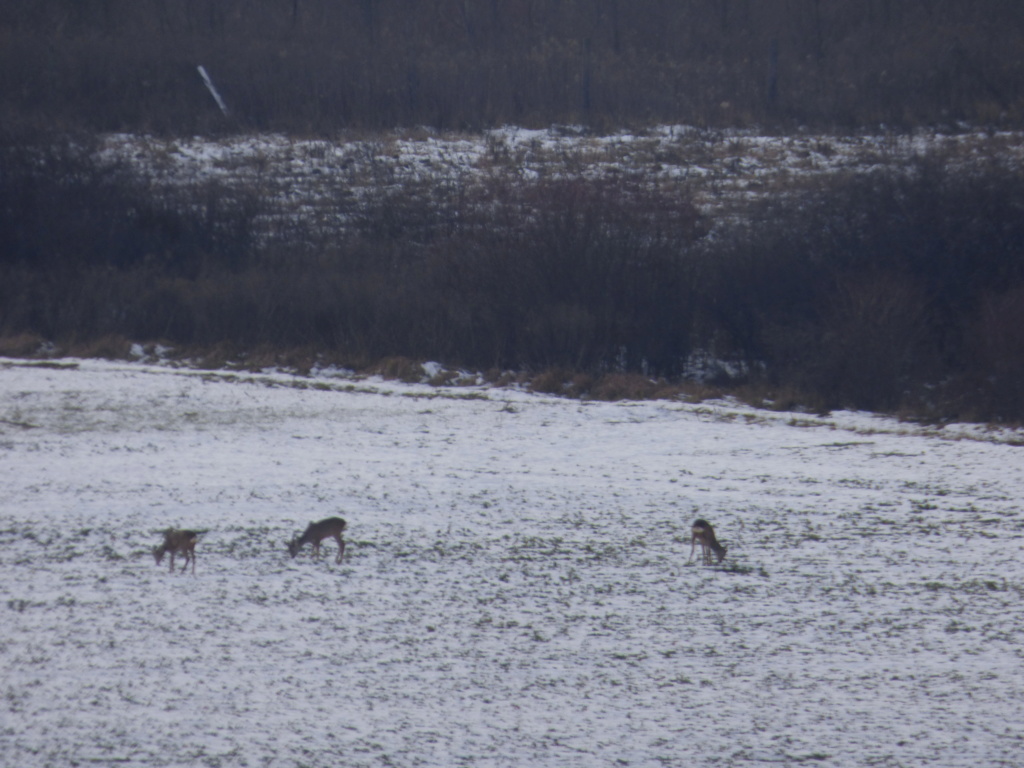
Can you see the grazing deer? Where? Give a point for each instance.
(705, 534)
(317, 532)
(178, 541)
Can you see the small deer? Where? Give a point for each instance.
(317, 532)
(178, 541)
(705, 534)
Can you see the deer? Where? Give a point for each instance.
(176, 541)
(705, 534)
(317, 532)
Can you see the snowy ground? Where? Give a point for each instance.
(516, 590)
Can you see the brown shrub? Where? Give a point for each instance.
(22, 345)
(300, 360)
(553, 381)
(580, 385)
(403, 369)
(626, 386)
(217, 356)
(443, 378)
(698, 392)
(110, 347)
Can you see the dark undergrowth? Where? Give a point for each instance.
(896, 291)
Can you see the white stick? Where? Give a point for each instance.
(212, 90)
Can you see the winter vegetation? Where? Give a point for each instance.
(803, 203)
(874, 272)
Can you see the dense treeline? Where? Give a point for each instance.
(320, 65)
(886, 291)
(880, 290)
(894, 290)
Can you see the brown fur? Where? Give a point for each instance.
(175, 542)
(703, 532)
(317, 532)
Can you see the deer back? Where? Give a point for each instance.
(179, 540)
(318, 531)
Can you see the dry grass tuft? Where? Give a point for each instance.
(22, 345)
(110, 347)
(403, 369)
(553, 381)
(630, 386)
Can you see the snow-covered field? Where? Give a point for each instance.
(515, 591)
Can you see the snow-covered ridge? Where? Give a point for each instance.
(315, 177)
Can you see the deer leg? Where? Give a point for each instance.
(172, 561)
(341, 547)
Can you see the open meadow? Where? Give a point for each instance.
(516, 589)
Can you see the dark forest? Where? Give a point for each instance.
(900, 291)
(320, 65)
